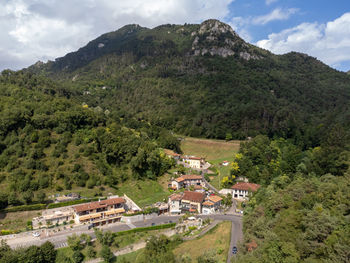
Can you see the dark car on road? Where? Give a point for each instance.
(234, 250)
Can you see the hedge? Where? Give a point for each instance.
(74, 202)
(25, 208)
(143, 229)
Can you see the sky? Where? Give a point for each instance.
(33, 30)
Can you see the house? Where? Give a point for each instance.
(192, 202)
(185, 181)
(55, 216)
(241, 190)
(194, 162)
(100, 212)
(212, 204)
(172, 155)
(174, 203)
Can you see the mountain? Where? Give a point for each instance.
(204, 80)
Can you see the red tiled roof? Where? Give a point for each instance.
(215, 198)
(246, 186)
(192, 177)
(208, 203)
(194, 158)
(188, 177)
(175, 197)
(179, 179)
(98, 204)
(193, 196)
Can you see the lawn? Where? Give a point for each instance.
(144, 192)
(216, 242)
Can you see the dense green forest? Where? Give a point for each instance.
(302, 211)
(49, 141)
(205, 81)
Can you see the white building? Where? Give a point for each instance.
(174, 203)
(211, 205)
(194, 162)
(242, 190)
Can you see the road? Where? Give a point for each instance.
(60, 239)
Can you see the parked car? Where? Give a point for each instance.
(234, 250)
(153, 224)
(36, 234)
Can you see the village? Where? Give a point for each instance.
(191, 194)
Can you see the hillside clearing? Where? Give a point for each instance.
(211, 150)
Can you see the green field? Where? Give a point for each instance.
(211, 150)
(216, 243)
(215, 152)
(143, 192)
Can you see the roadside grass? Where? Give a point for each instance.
(211, 150)
(17, 220)
(216, 242)
(144, 192)
(131, 257)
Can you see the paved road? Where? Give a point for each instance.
(60, 239)
(236, 236)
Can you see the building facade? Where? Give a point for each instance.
(185, 181)
(100, 212)
(242, 190)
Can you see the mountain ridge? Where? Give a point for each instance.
(166, 75)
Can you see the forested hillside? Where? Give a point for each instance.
(49, 142)
(302, 211)
(204, 80)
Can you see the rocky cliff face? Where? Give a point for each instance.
(216, 38)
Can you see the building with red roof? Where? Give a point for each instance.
(241, 190)
(186, 180)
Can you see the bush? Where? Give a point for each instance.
(25, 208)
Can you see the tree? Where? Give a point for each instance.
(107, 254)
(74, 242)
(27, 196)
(41, 196)
(49, 252)
(77, 256)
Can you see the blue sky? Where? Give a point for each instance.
(33, 30)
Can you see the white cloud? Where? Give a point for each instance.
(269, 2)
(328, 42)
(276, 14)
(34, 30)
